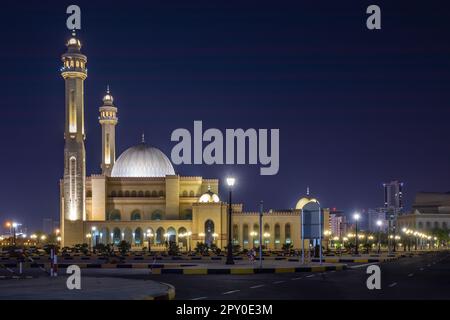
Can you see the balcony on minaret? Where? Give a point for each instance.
(74, 62)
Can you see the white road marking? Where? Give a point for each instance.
(392, 284)
(296, 278)
(421, 269)
(410, 275)
(277, 282)
(230, 292)
(310, 276)
(364, 265)
(199, 298)
(333, 271)
(258, 286)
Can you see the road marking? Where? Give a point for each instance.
(258, 286)
(277, 282)
(392, 284)
(421, 269)
(230, 292)
(410, 275)
(310, 276)
(296, 278)
(199, 298)
(364, 265)
(333, 271)
(428, 265)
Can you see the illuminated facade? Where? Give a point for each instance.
(138, 197)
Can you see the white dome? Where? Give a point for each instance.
(142, 161)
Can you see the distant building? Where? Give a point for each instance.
(374, 215)
(393, 196)
(338, 223)
(431, 210)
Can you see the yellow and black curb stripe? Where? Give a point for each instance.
(169, 295)
(370, 260)
(206, 271)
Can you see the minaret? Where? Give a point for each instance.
(108, 121)
(74, 73)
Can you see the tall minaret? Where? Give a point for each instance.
(74, 73)
(108, 121)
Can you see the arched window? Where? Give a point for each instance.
(159, 236)
(138, 236)
(266, 235)
(135, 215)
(141, 194)
(245, 234)
(209, 231)
(114, 215)
(235, 234)
(191, 193)
(183, 239)
(161, 193)
(157, 215)
(420, 225)
(113, 193)
(117, 236)
(133, 193)
(185, 193)
(287, 233)
(277, 233)
(444, 225)
(255, 238)
(428, 225)
(127, 193)
(436, 225)
(147, 194)
(154, 194)
(171, 235)
(120, 193)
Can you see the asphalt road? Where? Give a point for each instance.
(424, 277)
(420, 277)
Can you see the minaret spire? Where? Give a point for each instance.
(307, 190)
(108, 120)
(143, 137)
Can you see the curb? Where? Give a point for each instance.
(169, 295)
(242, 271)
(15, 277)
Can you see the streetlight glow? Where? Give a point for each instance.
(231, 181)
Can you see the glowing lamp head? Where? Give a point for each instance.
(14, 224)
(230, 181)
(379, 223)
(356, 216)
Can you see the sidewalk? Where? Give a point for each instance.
(46, 288)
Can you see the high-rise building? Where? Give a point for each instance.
(338, 223)
(393, 196)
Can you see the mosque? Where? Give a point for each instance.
(139, 197)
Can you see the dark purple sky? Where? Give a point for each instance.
(354, 107)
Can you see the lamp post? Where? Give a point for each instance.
(14, 225)
(327, 234)
(230, 182)
(380, 225)
(89, 236)
(356, 217)
(260, 233)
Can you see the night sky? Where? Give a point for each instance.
(354, 107)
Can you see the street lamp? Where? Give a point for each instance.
(380, 225)
(230, 183)
(356, 217)
(89, 236)
(327, 234)
(189, 234)
(215, 235)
